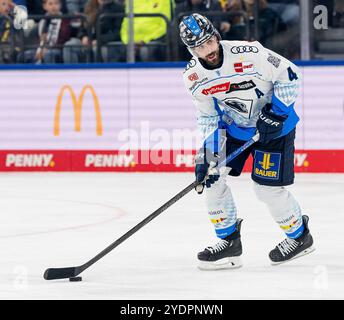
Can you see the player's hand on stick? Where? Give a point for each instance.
(206, 171)
(269, 124)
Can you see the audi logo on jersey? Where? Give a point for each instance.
(244, 49)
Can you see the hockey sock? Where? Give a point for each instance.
(221, 208)
(283, 207)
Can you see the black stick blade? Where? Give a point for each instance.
(60, 273)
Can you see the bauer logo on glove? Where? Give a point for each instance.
(269, 124)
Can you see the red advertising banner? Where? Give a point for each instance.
(35, 160)
(144, 161)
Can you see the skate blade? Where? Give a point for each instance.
(301, 254)
(225, 263)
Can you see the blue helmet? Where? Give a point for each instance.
(196, 29)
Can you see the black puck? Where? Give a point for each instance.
(74, 279)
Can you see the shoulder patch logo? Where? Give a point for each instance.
(275, 61)
(193, 77)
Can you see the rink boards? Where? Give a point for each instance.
(140, 118)
(145, 161)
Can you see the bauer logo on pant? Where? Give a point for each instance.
(267, 165)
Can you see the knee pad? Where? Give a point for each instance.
(269, 194)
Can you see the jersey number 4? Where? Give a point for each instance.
(292, 75)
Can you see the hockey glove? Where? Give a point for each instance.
(205, 171)
(269, 125)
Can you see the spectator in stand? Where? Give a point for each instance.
(5, 7)
(200, 6)
(75, 6)
(288, 10)
(269, 21)
(5, 31)
(57, 43)
(149, 32)
(110, 28)
(8, 35)
(237, 27)
(35, 7)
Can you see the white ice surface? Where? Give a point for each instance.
(60, 220)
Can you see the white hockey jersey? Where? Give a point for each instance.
(233, 94)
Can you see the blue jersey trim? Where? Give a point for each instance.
(245, 134)
(279, 107)
(290, 123)
(241, 133)
(217, 108)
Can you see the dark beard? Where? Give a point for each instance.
(211, 66)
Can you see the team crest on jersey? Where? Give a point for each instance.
(243, 67)
(236, 105)
(267, 165)
(223, 87)
(241, 106)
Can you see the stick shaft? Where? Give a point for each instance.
(239, 150)
(140, 225)
(61, 273)
(164, 207)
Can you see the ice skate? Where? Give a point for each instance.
(290, 249)
(223, 255)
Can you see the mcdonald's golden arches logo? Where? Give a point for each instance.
(77, 107)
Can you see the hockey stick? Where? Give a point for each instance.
(71, 272)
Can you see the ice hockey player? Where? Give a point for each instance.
(241, 88)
